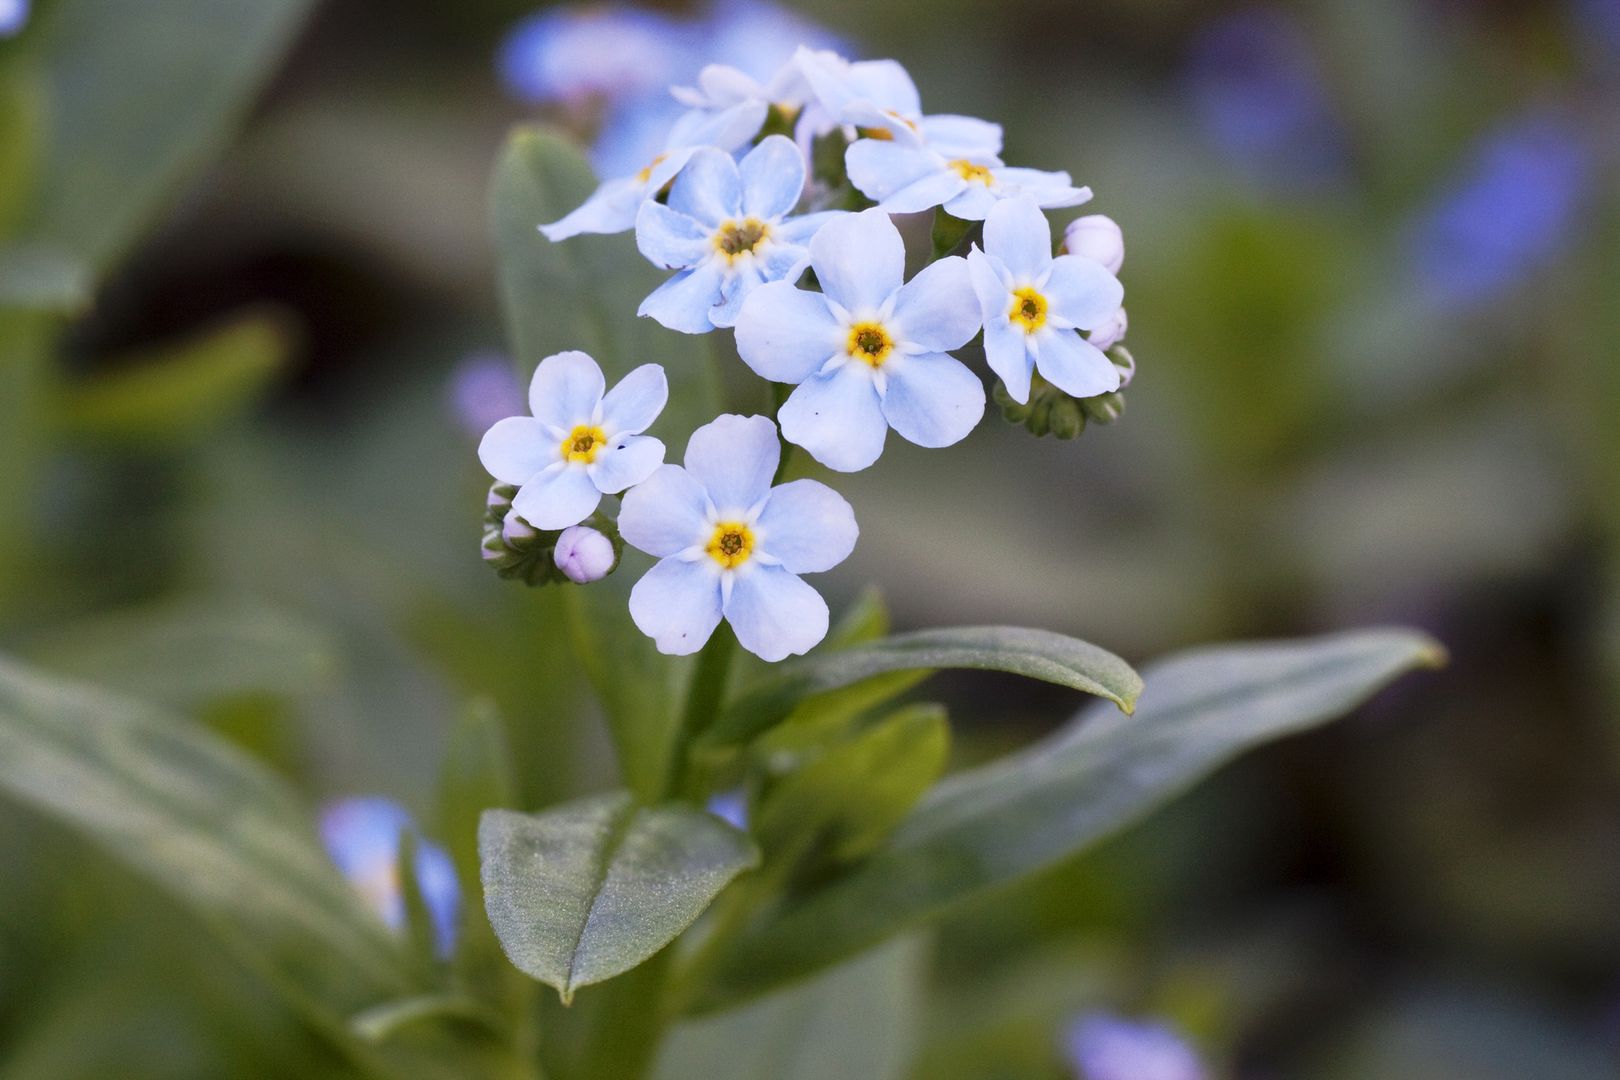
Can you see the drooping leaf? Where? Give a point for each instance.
(994, 824)
(1037, 654)
(588, 890)
(200, 820)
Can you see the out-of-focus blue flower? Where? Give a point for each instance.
(362, 835)
(484, 389)
(1258, 91)
(13, 17)
(570, 54)
(760, 38)
(1512, 212)
(1103, 1047)
(730, 807)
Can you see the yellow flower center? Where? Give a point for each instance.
(731, 545)
(870, 342)
(583, 443)
(973, 174)
(737, 238)
(1028, 309)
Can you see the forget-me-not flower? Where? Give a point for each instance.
(362, 836)
(879, 98)
(732, 546)
(727, 231)
(1034, 305)
(13, 17)
(580, 444)
(868, 352)
(573, 53)
(1103, 1047)
(612, 207)
(908, 178)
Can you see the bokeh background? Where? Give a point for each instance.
(1373, 274)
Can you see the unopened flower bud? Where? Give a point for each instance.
(1104, 408)
(584, 555)
(517, 532)
(1124, 362)
(1110, 333)
(1067, 420)
(1098, 238)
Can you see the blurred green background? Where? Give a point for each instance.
(1373, 275)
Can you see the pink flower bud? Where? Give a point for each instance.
(1110, 333)
(584, 555)
(1098, 238)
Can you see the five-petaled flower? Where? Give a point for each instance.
(878, 98)
(1034, 305)
(732, 546)
(868, 352)
(907, 179)
(579, 444)
(726, 230)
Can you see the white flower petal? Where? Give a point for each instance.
(989, 284)
(677, 604)
(1017, 233)
(1051, 190)
(666, 513)
(516, 448)
(561, 496)
(886, 84)
(974, 202)
(774, 613)
(1081, 292)
(670, 239)
(859, 259)
(708, 190)
(734, 458)
(626, 463)
(786, 334)
(837, 418)
(773, 176)
(807, 526)
(728, 129)
(631, 407)
(938, 308)
(610, 209)
(906, 179)
(1006, 350)
(1074, 365)
(684, 301)
(799, 230)
(961, 136)
(746, 276)
(932, 399)
(565, 389)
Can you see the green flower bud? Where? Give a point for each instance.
(1067, 420)
(1104, 408)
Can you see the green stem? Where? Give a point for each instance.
(704, 699)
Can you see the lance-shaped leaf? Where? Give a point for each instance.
(991, 825)
(1036, 654)
(590, 889)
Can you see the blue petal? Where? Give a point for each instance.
(558, 497)
(961, 136)
(807, 526)
(782, 261)
(932, 399)
(904, 179)
(728, 129)
(1081, 292)
(565, 390)
(665, 514)
(677, 604)
(786, 334)
(774, 614)
(1017, 233)
(709, 189)
(626, 463)
(938, 308)
(746, 275)
(1074, 365)
(837, 417)
(611, 209)
(1006, 350)
(1051, 190)
(631, 407)
(359, 833)
(734, 458)
(516, 448)
(773, 176)
(974, 202)
(670, 239)
(684, 301)
(859, 259)
(441, 894)
(799, 230)
(886, 84)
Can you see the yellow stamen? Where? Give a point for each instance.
(735, 239)
(870, 342)
(646, 174)
(731, 545)
(583, 443)
(1028, 309)
(974, 174)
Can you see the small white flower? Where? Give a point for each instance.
(1096, 237)
(1034, 305)
(580, 444)
(904, 178)
(583, 554)
(732, 546)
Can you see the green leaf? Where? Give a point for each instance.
(203, 822)
(590, 889)
(1037, 654)
(992, 825)
(476, 776)
(176, 394)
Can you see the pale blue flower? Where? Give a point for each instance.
(362, 836)
(483, 389)
(730, 807)
(1034, 305)
(905, 177)
(1103, 1047)
(868, 352)
(580, 444)
(570, 54)
(726, 229)
(732, 546)
(879, 96)
(612, 207)
(13, 17)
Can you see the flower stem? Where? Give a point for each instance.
(704, 699)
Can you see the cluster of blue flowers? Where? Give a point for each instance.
(808, 268)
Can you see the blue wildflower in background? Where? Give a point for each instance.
(1103, 1047)
(1513, 211)
(483, 390)
(362, 836)
(13, 17)
(568, 55)
(730, 807)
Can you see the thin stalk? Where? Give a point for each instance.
(704, 699)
